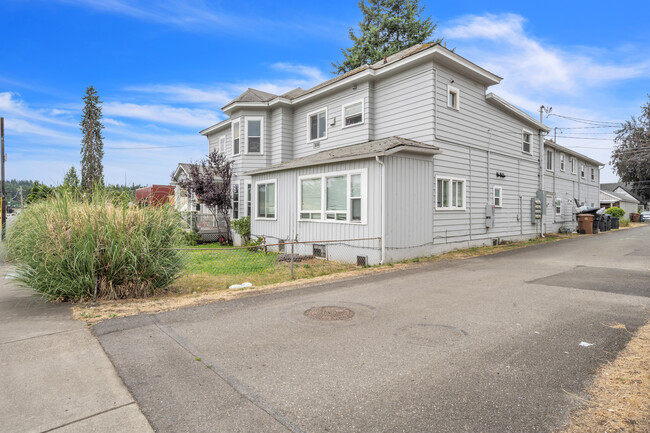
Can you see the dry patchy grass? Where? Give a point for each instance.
(620, 395)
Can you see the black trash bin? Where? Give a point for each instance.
(615, 222)
(596, 223)
(609, 222)
(602, 224)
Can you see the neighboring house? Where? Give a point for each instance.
(412, 149)
(195, 213)
(154, 195)
(625, 201)
(624, 189)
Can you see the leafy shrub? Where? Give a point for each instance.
(65, 246)
(624, 222)
(243, 227)
(615, 211)
(192, 238)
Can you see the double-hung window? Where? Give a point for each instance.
(558, 206)
(333, 197)
(450, 193)
(254, 128)
(235, 201)
(249, 201)
(526, 141)
(235, 138)
(593, 174)
(562, 157)
(549, 160)
(317, 122)
(582, 171)
(353, 114)
(573, 166)
(498, 199)
(266, 199)
(453, 96)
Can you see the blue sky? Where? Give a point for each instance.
(164, 68)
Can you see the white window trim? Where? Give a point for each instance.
(236, 186)
(455, 90)
(574, 166)
(261, 119)
(526, 131)
(494, 190)
(450, 179)
(592, 174)
(363, 114)
(232, 138)
(583, 171)
(556, 206)
(309, 140)
(323, 177)
(552, 160)
(562, 161)
(256, 202)
(247, 183)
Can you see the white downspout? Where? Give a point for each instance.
(383, 209)
(541, 178)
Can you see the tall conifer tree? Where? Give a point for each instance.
(388, 26)
(92, 145)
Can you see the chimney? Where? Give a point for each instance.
(385, 60)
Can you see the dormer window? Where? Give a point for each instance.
(353, 114)
(318, 125)
(453, 96)
(235, 138)
(254, 135)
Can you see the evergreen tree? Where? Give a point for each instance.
(92, 146)
(71, 180)
(388, 26)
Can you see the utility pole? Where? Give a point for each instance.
(21, 196)
(4, 195)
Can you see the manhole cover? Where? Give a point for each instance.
(329, 313)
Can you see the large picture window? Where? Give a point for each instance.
(334, 197)
(266, 200)
(450, 193)
(318, 125)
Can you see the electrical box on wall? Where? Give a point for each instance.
(535, 210)
(489, 215)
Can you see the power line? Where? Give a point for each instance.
(587, 121)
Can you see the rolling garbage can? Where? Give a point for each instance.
(634, 217)
(585, 224)
(604, 224)
(609, 222)
(615, 222)
(596, 224)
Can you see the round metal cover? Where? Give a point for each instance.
(329, 313)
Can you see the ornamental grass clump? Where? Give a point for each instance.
(68, 246)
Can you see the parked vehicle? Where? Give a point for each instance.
(645, 216)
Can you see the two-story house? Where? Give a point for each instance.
(413, 150)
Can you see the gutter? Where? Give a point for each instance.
(383, 209)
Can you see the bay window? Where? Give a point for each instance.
(333, 197)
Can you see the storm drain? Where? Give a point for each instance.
(329, 313)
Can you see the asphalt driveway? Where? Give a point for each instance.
(491, 344)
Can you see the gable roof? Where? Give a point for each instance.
(254, 95)
(625, 186)
(506, 106)
(369, 149)
(611, 197)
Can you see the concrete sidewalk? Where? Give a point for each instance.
(55, 375)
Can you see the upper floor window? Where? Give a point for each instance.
(453, 97)
(549, 160)
(450, 193)
(526, 141)
(266, 199)
(574, 164)
(353, 114)
(332, 197)
(254, 135)
(593, 174)
(235, 138)
(498, 192)
(318, 125)
(562, 157)
(582, 171)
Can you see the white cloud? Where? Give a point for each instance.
(310, 74)
(165, 114)
(185, 94)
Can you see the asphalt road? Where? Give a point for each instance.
(490, 344)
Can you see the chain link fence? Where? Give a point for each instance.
(211, 266)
